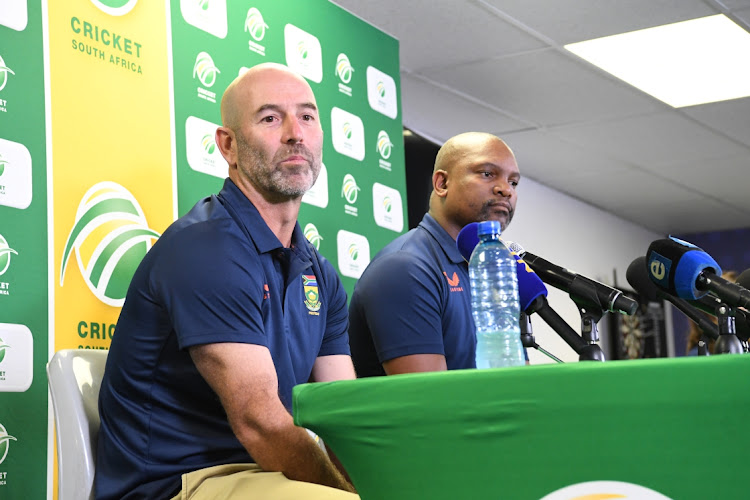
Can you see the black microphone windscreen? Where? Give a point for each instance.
(744, 279)
(637, 276)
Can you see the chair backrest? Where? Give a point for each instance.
(75, 376)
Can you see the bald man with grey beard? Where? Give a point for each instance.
(223, 328)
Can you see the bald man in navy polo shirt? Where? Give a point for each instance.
(229, 310)
(411, 309)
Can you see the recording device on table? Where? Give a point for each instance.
(592, 298)
(690, 278)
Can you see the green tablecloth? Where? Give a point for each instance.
(676, 426)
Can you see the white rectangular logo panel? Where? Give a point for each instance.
(14, 14)
(348, 134)
(353, 253)
(16, 358)
(15, 175)
(200, 145)
(209, 16)
(303, 53)
(318, 194)
(387, 207)
(381, 92)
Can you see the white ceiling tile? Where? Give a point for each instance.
(622, 189)
(445, 114)
(545, 158)
(650, 140)
(546, 87)
(566, 21)
(743, 16)
(672, 216)
(736, 4)
(440, 32)
(729, 117)
(724, 179)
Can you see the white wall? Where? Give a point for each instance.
(582, 238)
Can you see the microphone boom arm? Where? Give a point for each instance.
(585, 350)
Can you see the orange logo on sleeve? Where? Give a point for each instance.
(453, 281)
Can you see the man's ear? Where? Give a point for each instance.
(440, 183)
(227, 144)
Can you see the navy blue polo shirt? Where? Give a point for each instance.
(218, 274)
(413, 298)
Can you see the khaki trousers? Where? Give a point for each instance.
(248, 482)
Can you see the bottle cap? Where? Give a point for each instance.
(488, 227)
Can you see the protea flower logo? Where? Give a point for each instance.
(208, 144)
(348, 133)
(115, 7)
(5, 439)
(387, 204)
(3, 346)
(4, 70)
(343, 68)
(353, 252)
(203, 4)
(2, 165)
(255, 25)
(384, 144)
(350, 190)
(302, 50)
(312, 235)
(5, 252)
(110, 237)
(381, 89)
(205, 69)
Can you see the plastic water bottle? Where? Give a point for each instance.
(494, 300)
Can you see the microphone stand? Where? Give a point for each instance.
(727, 343)
(528, 340)
(702, 346)
(585, 350)
(589, 324)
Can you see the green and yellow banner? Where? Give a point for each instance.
(111, 157)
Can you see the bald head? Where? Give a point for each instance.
(459, 147)
(271, 136)
(238, 93)
(474, 179)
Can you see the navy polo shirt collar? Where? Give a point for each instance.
(444, 239)
(253, 225)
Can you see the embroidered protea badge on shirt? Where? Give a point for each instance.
(312, 297)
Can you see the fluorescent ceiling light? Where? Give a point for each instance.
(683, 64)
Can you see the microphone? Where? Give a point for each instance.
(638, 277)
(531, 286)
(744, 279)
(688, 272)
(584, 291)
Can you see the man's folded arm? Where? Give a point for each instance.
(244, 378)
